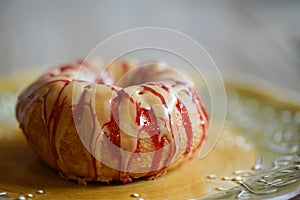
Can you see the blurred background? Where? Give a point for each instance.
(256, 38)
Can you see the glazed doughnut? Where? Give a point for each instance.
(116, 123)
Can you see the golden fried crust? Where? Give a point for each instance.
(90, 130)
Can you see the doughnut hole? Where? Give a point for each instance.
(156, 72)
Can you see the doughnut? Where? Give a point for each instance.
(112, 123)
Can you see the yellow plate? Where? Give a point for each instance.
(21, 173)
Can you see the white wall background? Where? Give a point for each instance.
(253, 37)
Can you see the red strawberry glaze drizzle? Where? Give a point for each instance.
(200, 110)
(54, 116)
(45, 109)
(111, 130)
(186, 122)
(54, 119)
(78, 111)
(159, 144)
(203, 117)
(154, 92)
(152, 128)
(63, 69)
(147, 120)
(67, 67)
